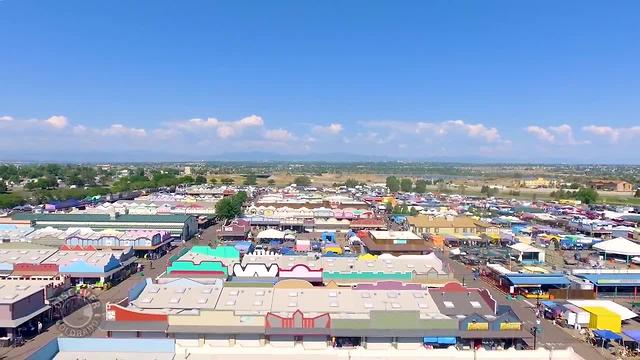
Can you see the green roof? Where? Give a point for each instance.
(177, 218)
(221, 252)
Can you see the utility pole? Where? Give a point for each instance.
(535, 331)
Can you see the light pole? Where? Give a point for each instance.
(535, 331)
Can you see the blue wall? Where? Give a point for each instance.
(89, 345)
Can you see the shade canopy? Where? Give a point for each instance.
(607, 335)
(620, 246)
(633, 334)
(271, 234)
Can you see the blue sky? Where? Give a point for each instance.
(495, 80)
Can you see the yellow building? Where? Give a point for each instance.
(603, 319)
(423, 224)
(538, 183)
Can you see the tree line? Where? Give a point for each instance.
(406, 185)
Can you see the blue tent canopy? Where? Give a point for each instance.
(444, 340)
(634, 334)
(607, 335)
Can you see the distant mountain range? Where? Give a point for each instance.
(162, 156)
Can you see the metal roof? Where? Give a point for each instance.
(613, 279)
(103, 217)
(530, 279)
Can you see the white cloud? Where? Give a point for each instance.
(6, 118)
(79, 129)
(613, 134)
(113, 130)
(199, 123)
(278, 135)
(541, 133)
(121, 130)
(252, 120)
(560, 135)
(477, 131)
(57, 121)
(333, 129)
(605, 131)
(224, 129)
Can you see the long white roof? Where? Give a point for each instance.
(620, 246)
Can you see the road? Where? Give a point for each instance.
(114, 294)
(552, 336)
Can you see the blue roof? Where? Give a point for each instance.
(613, 279)
(445, 340)
(634, 334)
(532, 279)
(607, 335)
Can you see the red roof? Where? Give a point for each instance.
(368, 222)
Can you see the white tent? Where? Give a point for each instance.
(625, 314)
(619, 246)
(271, 234)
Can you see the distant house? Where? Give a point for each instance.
(611, 185)
(368, 224)
(393, 242)
(538, 183)
(235, 231)
(449, 225)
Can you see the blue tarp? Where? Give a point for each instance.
(445, 340)
(607, 335)
(634, 334)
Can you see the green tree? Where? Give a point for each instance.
(393, 184)
(489, 191)
(406, 185)
(586, 195)
(227, 181)
(302, 181)
(225, 209)
(251, 179)
(421, 186)
(240, 198)
(351, 183)
(3, 187)
(200, 180)
(48, 182)
(231, 207)
(187, 179)
(213, 181)
(271, 182)
(8, 201)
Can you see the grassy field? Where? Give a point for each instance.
(328, 179)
